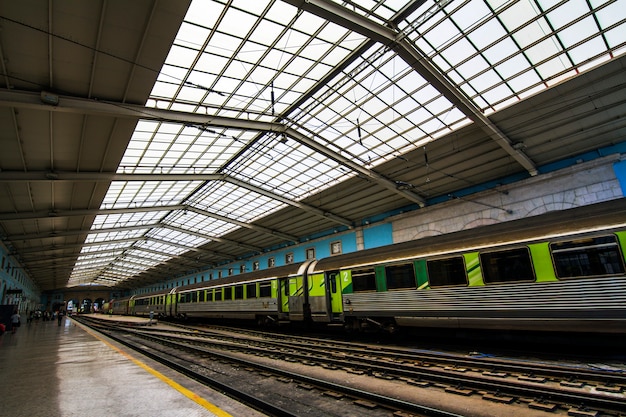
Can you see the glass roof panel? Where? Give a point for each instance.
(267, 61)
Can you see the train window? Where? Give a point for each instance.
(201, 295)
(251, 290)
(507, 266)
(363, 280)
(445, 272)
(228, 293)
(400, 276)
(587, 257)
(218, 294)
(239, 292)
(265, 289)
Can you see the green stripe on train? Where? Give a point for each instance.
(474, 273)
(542, 262)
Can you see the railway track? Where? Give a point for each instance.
(397, 376)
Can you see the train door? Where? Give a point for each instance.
(283, 296)
(334, 296)
(297, 298)
(319, 298)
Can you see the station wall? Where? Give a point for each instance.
(578, 185)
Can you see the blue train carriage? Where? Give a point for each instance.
(249, 296)
(555, 272)
(155, 302)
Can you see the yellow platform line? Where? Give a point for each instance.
(187, 393)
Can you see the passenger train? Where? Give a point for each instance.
(560, 271)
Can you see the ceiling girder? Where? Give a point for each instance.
(254, 227)
(202, 235)
(51, 235)
(190, 249)
(406, 49)
(107, 108)
(42, 215)
(48, 248)
(56, 176)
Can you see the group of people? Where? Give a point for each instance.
(16, 319)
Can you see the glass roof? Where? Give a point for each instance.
(268, 61)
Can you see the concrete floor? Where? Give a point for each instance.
(49, 370)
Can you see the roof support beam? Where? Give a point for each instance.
(51, 235)
(368, 173)
(104, 108)
(34, 176)
(5, 217)
(190, 249)
(254, 227)
(397, 41)
(204, 235)
(49, 248)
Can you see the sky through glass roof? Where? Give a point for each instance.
(268, 61)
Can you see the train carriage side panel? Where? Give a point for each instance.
(381, 282)
(318, 297)
(334, 294)
(297, 298)
(244, 300)
(421, 273)
(345, 276)
(283, 296)
(542, 261)
(621, 237)
(473, 269)
(131, 306)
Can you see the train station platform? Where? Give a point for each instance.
(64, 371)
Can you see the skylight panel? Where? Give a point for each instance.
(181, 56)
(237, 23)
(201, 223)
(458, 52)
(140, 255)
(586, 50)
(281, 12)
(127, 219)
(309, 24)
(191, 36)
(610, 15)
(112, 236)
(204, 13)
(161, 246)
(177, 237)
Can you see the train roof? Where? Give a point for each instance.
(154, 293)
(259, 275)
(606, 215)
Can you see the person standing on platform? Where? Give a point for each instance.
(15, 321)
(59, 317)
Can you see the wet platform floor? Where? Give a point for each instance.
(49, 370)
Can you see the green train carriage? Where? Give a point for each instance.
(557, 272)
(561, 271)
(253, 295)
